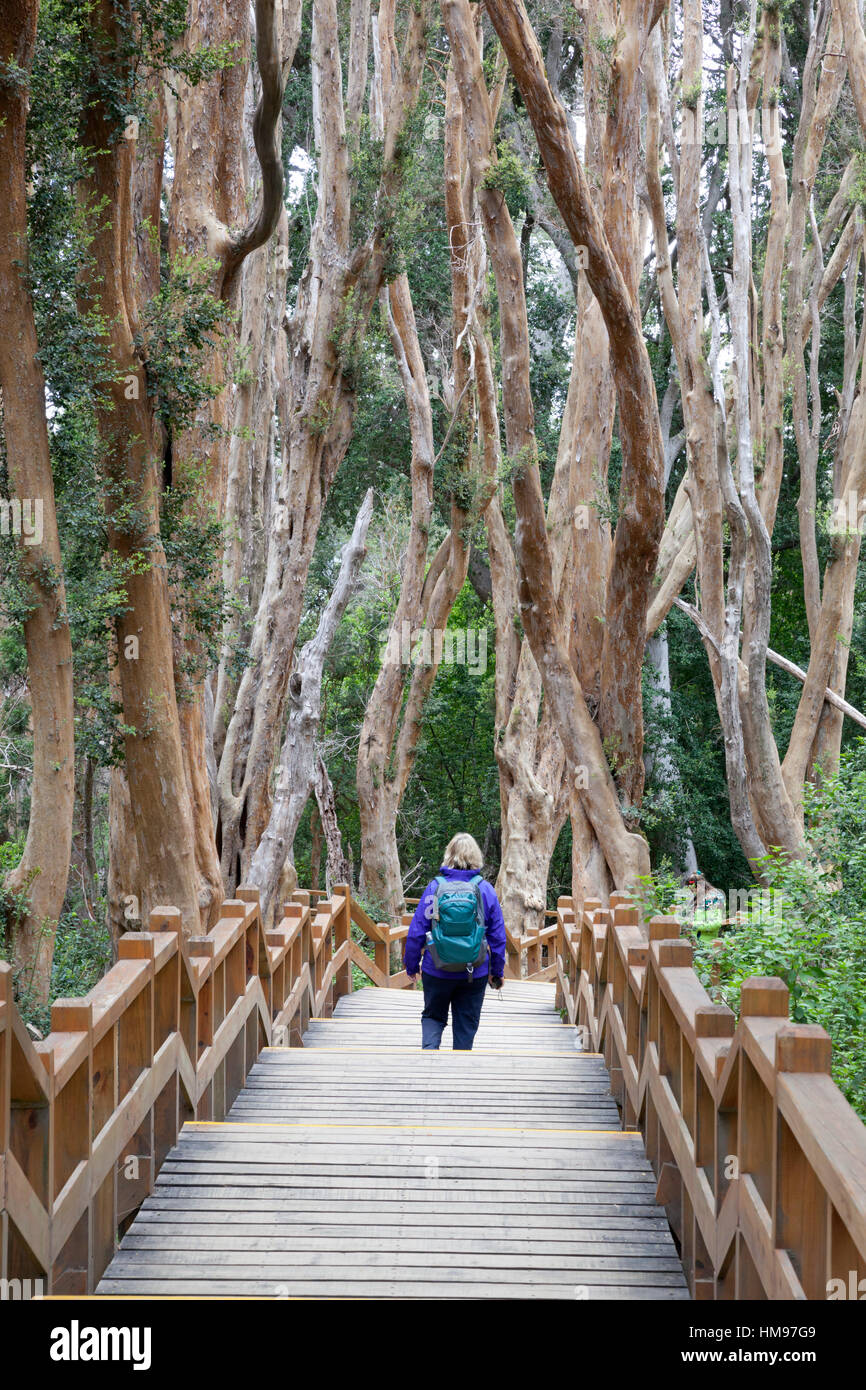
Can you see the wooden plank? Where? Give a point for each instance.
(403, 1289)
(524, 1267)
(321, 1174)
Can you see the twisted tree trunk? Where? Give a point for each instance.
(316, 406)
(625, 852)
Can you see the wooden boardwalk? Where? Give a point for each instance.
(360, 1166)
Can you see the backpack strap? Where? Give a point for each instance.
(440, 884)
(476, 883)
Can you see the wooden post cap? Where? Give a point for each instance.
(591, 904)
(803, 1047)
(247, 893)
(136, 945)
(714, 1021)
(675, 952)
(620, 900)
(764, 996)
(625, 915)
(71, 1016)
(233, 907)
(165, 919)
(663, 928)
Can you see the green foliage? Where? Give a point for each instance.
(13, 904)
(694, 804)
(657, 893)
(82, 954)
(809, 927)
(192, 537)
(509, 175)
(692, 94)
(181, 324)
(367, 166)
(857, 190)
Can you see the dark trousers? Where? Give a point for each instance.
(465, 999)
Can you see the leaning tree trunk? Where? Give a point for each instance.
(626, 853)
(208, 205)
(381, 879)
(44, 866)
(335, 298)
(298, 762)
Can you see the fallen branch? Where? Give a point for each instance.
(830, 696)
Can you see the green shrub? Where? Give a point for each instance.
(810, 930)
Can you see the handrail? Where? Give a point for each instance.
(169, 1034)
(531, 956)
(760, 1160)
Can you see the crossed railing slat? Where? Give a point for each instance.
(169, 1034)
(760, 1160)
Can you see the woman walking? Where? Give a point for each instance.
(459, 929)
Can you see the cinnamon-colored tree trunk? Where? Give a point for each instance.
(132, 465)
(625, 852)
(336, 294)
(44, 866)
(209, 217)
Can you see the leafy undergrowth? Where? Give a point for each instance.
(82, 950)
(806, 924)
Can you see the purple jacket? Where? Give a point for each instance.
(494, 925)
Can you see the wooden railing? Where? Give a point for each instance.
(760, 1160)
(169, 1034)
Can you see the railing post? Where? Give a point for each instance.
(382, 951)
(561, 954)
(533, 949)
(71, 1144)
(800, 1205)
(763, 1000)
(342, 935)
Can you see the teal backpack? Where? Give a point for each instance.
(457, 939)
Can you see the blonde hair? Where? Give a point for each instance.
(462, 852)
